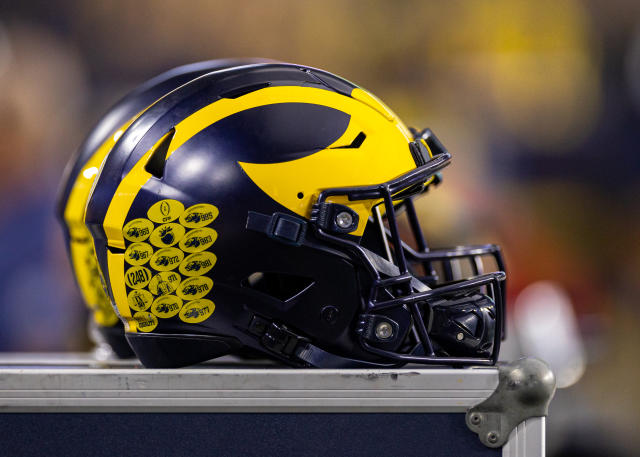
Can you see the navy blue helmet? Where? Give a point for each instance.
(269, 196)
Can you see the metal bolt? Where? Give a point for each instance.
(384, 330)
(344, 220)
(459, 336)
(492, 437)
(330, 314)
(475, 419)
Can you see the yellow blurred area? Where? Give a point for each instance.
(535, 60)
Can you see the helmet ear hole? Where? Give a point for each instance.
(300, 195)
(282, 286)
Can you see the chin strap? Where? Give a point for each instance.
(278, 339)
(320, 358)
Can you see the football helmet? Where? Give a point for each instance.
(267, 198)
(78, 179)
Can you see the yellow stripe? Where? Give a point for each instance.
(85, 267)
(85, 264)
(124, 196)
(115, 263)
(76, 207)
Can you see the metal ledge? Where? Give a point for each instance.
(27, 385)
(80, 383)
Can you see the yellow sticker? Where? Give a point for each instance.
(166, 259)
(137, 230)
(166, 306)
(197, 264)
(193, 288)
(167, 235)
(197, 240)
(199, 215)
(165, 211)
(138, 254)
(146, 321)
(137, 277)
(140, 299)
(164, 283)
(197, 311)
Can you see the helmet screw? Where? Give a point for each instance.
(492, 437)
(330, 314)
(460, 336)
(475, 419)
(384, 330)
(344, 220)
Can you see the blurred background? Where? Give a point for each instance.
(539, 103)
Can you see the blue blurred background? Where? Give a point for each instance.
(539, 102)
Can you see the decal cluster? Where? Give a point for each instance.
(168, 255)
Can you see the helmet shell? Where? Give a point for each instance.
(266, 139)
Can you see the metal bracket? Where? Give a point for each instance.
(525, 389)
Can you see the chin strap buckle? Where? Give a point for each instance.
(276, 337)
(279, 339)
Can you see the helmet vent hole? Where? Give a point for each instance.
(356, 143)
(156, 162)
(114, 250)
(300, 195)
(282, 286)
